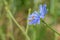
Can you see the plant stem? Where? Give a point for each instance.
(50, 27)
(10, 14)
(29, 11)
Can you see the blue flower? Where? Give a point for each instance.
(34, 18)
(42, 10)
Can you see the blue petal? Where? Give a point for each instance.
(38, 21)
(35, 19)
(42, 10)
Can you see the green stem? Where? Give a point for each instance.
(28, 21)
(17, 24)
(50, 27)
(29, 11)
(9, 12)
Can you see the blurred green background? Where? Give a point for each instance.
(13, 20)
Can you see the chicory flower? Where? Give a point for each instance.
(34, 18)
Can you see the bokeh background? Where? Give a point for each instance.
(14, 12)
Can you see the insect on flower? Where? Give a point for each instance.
(34, 18)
